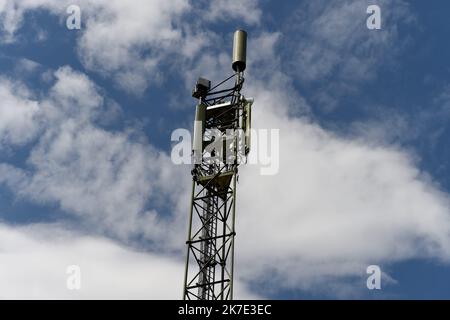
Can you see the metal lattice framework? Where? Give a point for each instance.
(210, 245)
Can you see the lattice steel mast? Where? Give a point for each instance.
(221, 142)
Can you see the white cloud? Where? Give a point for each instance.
(131, 40)
(126, 39)
(331, 51)
(109, 179)
(134, 41)
(222, 10)
(26, 66)
(12, 14)
(336, 206)
(18, 114)
(336, 42)
(34, 261)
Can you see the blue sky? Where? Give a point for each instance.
(363, 118)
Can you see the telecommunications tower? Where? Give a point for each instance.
(221, 142)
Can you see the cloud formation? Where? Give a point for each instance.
(135, 42)
(34, 262)
(18, 114)
(337, 205)
(109, 179)
(334, 52)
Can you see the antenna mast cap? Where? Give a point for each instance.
(239, 50)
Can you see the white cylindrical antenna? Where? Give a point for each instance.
(247, 125)
(199, 130)
(239, 50)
